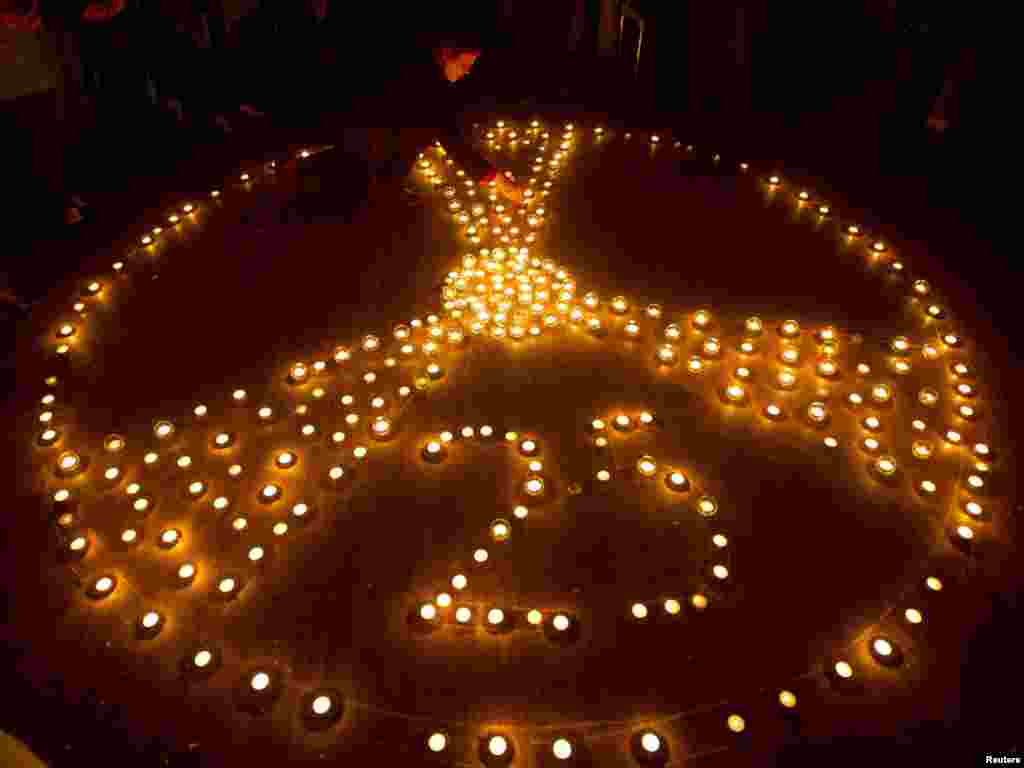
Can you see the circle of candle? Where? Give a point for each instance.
(280, 529)
(459, 581)
(653, 311)
(270, 492)
(677, 481)
(666, 354)
(720, 572)
(872, 423)
(150, 620)
(560, 622)
(202, 659)
(381, 426)
(259, 682)
(974, 509)
(528, 447)
(650, 741)
(235, 470)
(672, 606)
(433, 451)
(773, 412)
(142, 505)
(49, 437)
(707, 506)
(285, 459)
(817, 413)
(789, 355)
(959, 370)
(964, 532)
(495, 616)
(699, 601)
(913, 616)
(619, 305)
(500, 530)
(885, 465)
(463, 614)
(639, 611)
(843, 669)
(646, 466)
(921, 449)
(965, 390)
(196, 488)
(163, 429)
(497, 746)
(321, 706)
(787, 699)
(736, 723)
(701, 319)
(695, 365)
(534, 485)
(735, 392)
(562, 749)
(827, 368)
(78, 545)
(103, 586)
(967, 412)
(933, 583)
(169, 538)
(870, 444)
(712, 347)
(480, 555)
(789, 329)
(437, 742)
(302, 509)
(622, 423)
(883, 650)
(953, 437)
(69, 463)
(226, 585)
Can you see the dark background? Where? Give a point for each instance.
(837, 93)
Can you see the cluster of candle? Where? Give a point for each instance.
(502, 289)
(605, 428)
